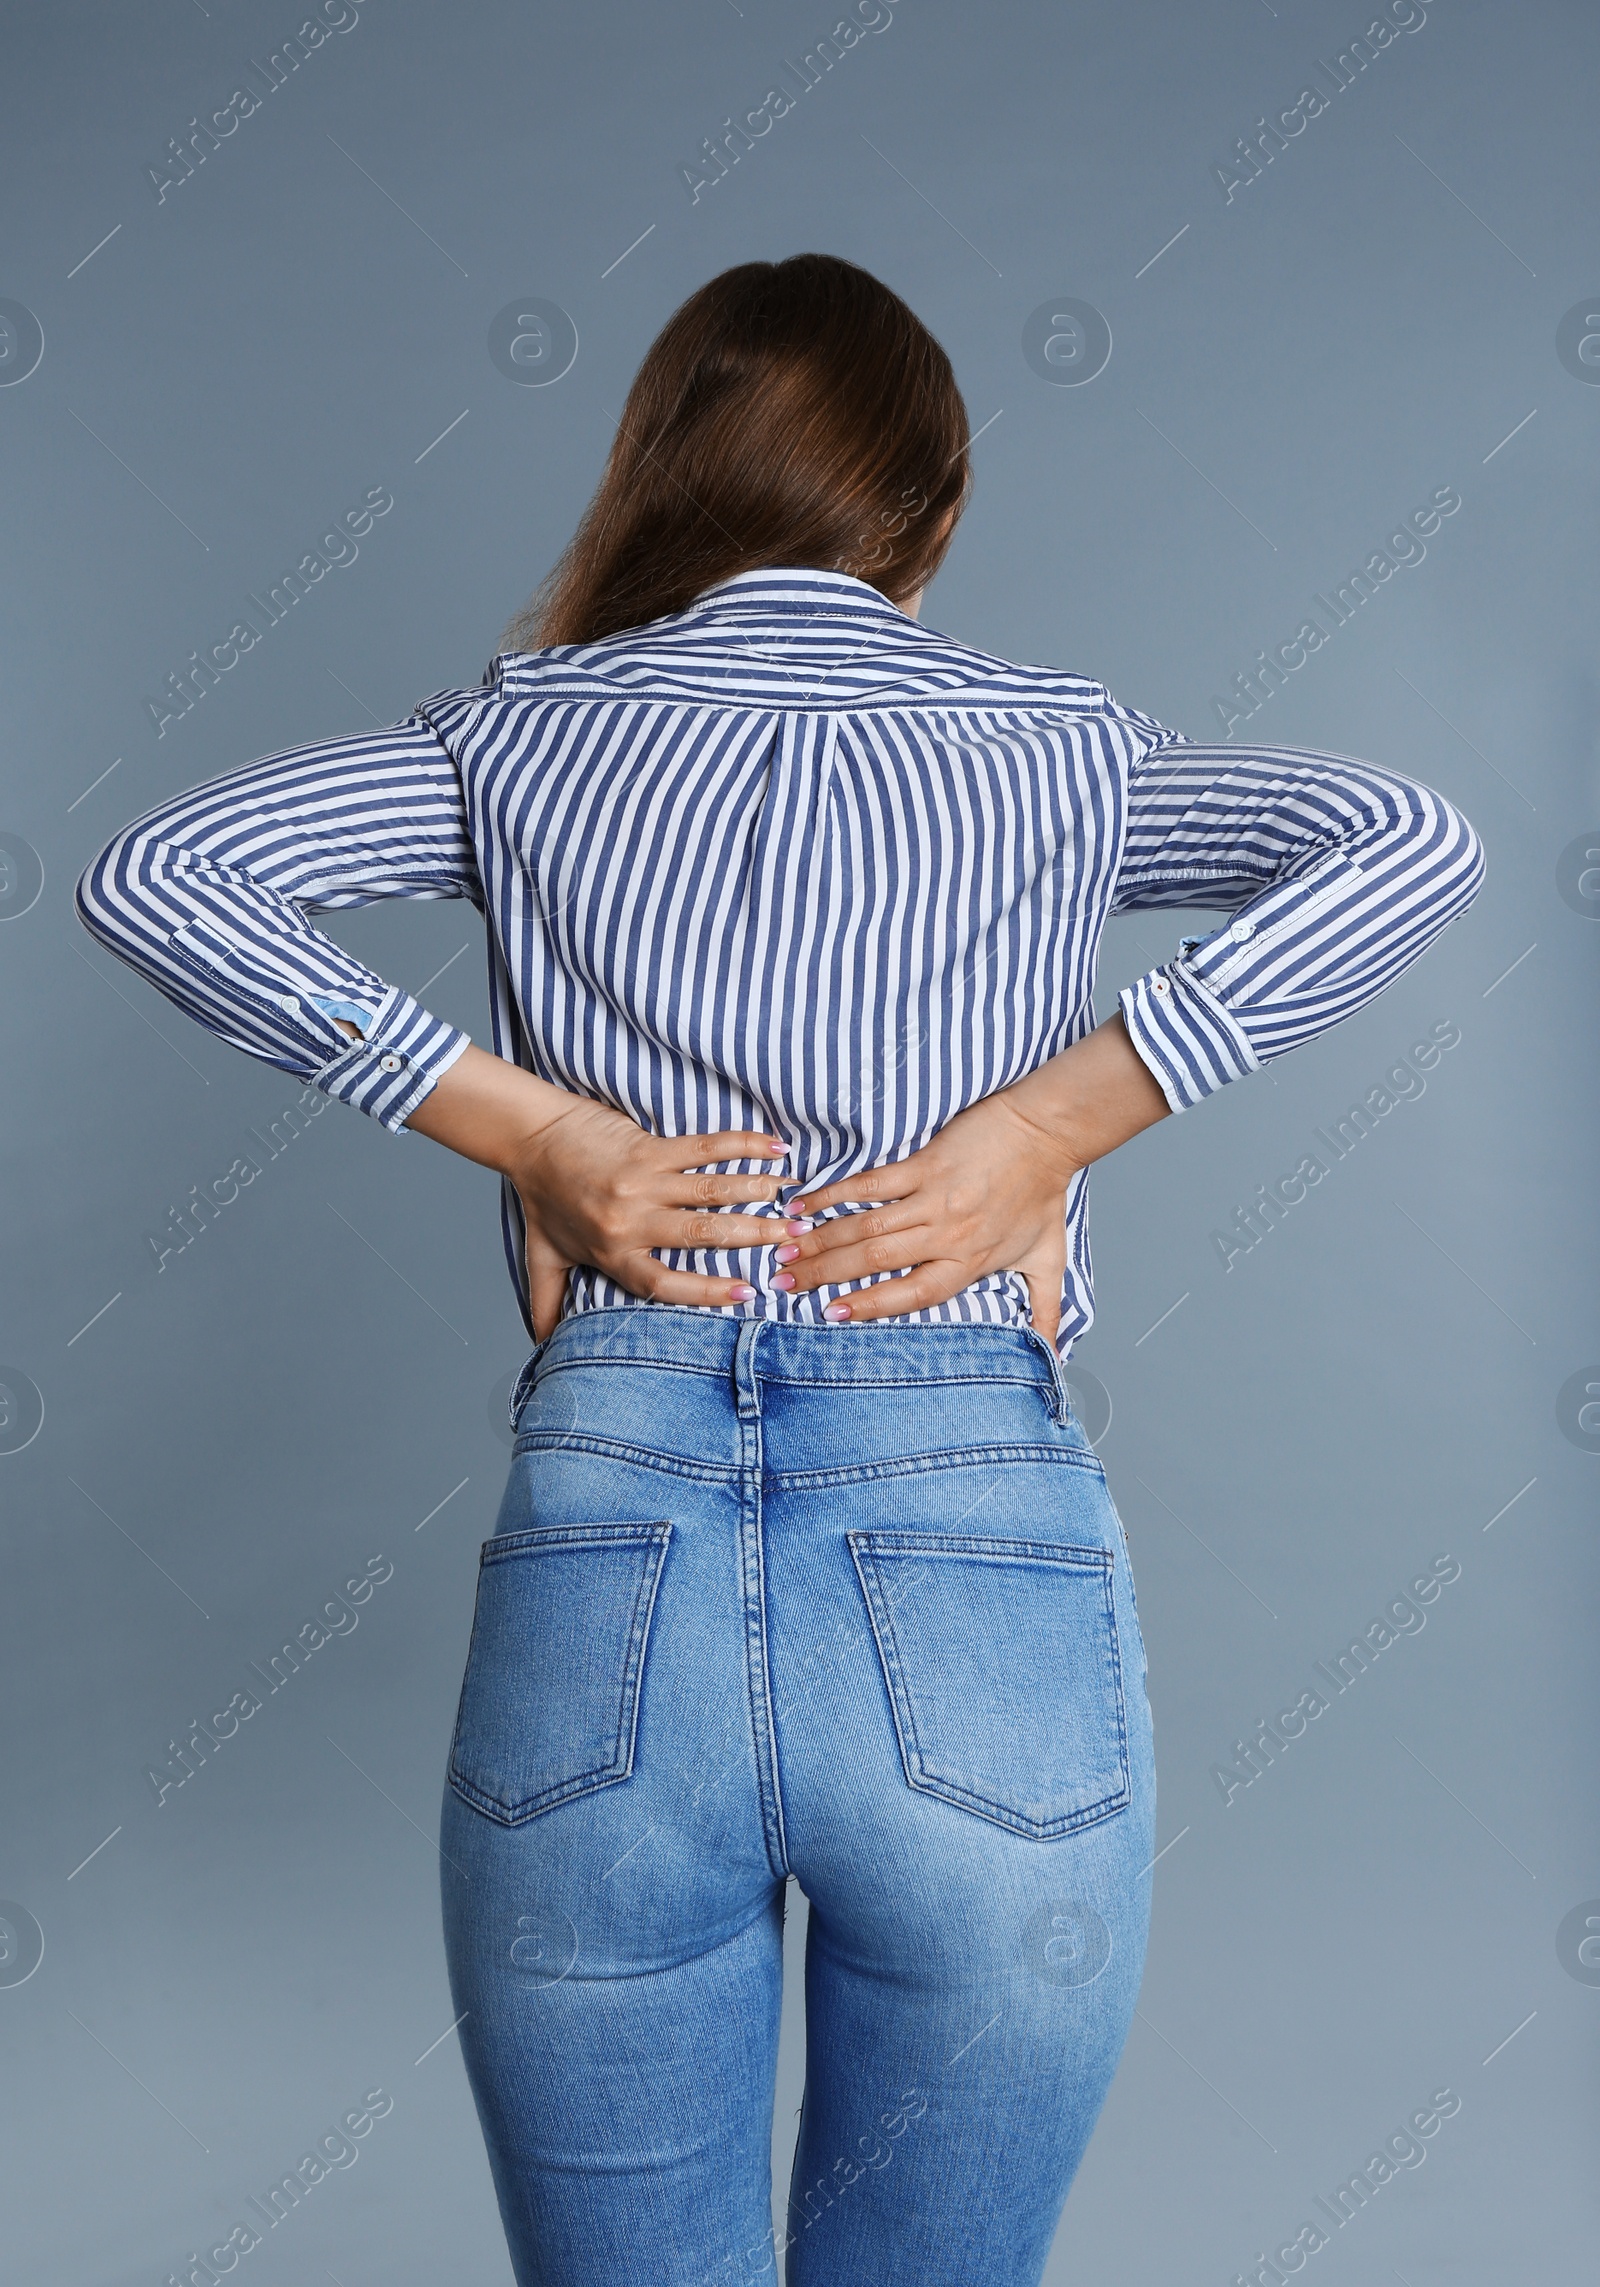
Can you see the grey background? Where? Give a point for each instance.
(309, 1385)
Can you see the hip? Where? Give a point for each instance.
(806, 1536)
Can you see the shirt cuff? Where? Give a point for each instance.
(387, 1074)
(1184, 1034)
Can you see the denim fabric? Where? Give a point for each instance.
(850, 1603)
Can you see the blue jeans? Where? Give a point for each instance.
(845, 1602)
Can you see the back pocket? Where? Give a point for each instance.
(550, 1700)
(1003, 1672)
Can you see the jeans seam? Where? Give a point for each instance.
(1057, 1398)
(1043, 1830)
(746, 1380)
(533, 1537)
(866, 1383)
(616, 1449)
(914, 1465)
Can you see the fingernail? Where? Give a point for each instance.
(774, 1145)
(801, 1223)
(784, 1282)
(744, 1294)
(786, 1254)
(837, 1310)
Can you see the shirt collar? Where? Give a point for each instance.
(800, 591)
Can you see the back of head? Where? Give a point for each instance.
(788, 413)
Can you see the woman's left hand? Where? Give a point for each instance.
(987, 1194)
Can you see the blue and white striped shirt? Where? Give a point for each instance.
(786, 860)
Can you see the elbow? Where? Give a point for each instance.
(88, 894)
(1442, 848)
(94, 899)
(1470, 860)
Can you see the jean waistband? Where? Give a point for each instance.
(778, 1350)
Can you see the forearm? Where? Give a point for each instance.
(1090, 1098)
(489, 1110)
(1082, 1104)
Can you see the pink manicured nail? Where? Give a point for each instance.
(800, 1224)
(786, 1254)
(774, 1145)
(837, 1311)
(744, 1294)
(784, 1282)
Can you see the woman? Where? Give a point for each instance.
(804, 1565)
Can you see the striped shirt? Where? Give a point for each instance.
(785, 860)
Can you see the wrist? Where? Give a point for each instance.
(1047, 1131)
(491, 1111)
(1092, 1097)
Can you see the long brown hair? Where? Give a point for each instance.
(788, 413)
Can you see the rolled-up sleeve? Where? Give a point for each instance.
(1339, 874)
(207, 896)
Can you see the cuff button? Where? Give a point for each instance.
(1240, 930)
(390, 1063)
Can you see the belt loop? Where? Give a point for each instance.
(746, 1381)
(1058, 1398)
